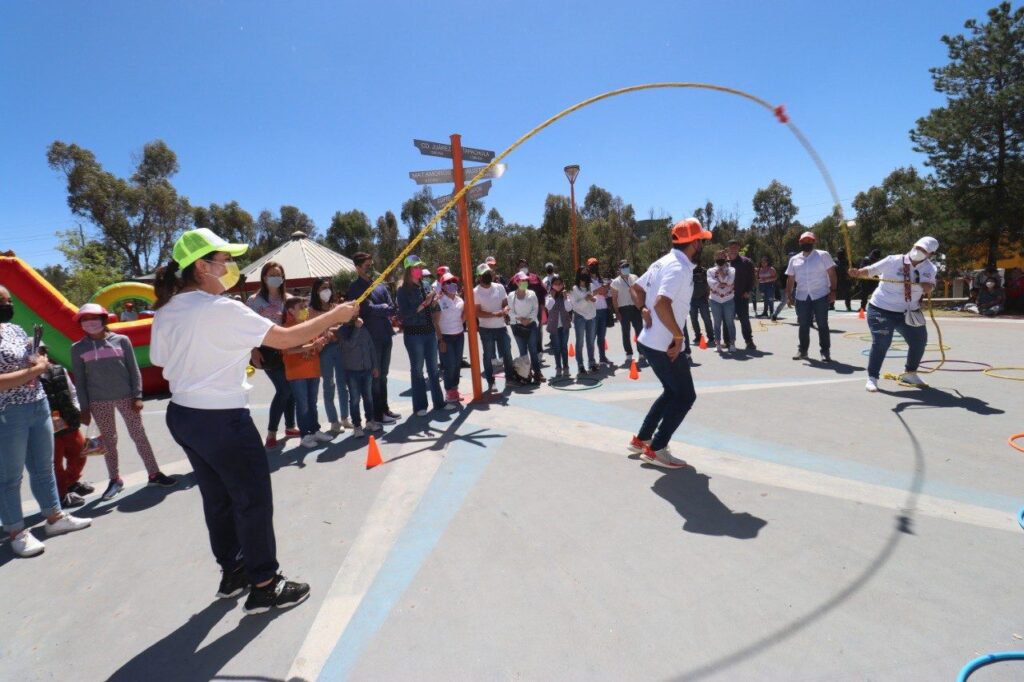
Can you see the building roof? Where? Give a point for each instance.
(302, 258)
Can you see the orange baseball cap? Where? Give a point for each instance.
(592, 261)
(688, 230)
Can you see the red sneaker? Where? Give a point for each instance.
(662, 458)
(271, 442)
(292, 433)
(637, 446)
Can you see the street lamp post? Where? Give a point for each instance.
(571, 172)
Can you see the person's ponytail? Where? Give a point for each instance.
(170, 280)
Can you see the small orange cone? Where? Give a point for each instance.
(373, 454)
(703, 343)
(572, 351)
(634, 373)
(860, 315)
(606, 344)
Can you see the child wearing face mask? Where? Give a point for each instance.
(451, 337)
(321, 301)
(302, 368)
(559, 307)
(108, 379)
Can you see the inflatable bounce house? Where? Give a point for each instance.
(37, 302)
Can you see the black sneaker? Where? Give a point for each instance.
(800, 356)
(81, 489)
(113, 488)
(279, 594)
(232, 584)
(72, 500)
(826, 358)
(162, 480)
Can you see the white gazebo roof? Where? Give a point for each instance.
(302, 258)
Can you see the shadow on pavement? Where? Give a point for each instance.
(690, 493)
(835, 366)
(177, 656)
(935, 397)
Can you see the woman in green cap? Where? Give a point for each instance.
(419, 313)
(202, 340)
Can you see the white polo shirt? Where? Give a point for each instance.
(203, 343)
(602, 302)
(451, 314)
(620, 289)
(811, 274)
(670, 276)
(490, 299)
(890, 295)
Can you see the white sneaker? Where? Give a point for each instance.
(309, 441)
(374, 426)
(347, 423)
(25, 544)
(66, 524)
(451, 406)
(913, 379)
(871, 386)
(358, 431)
(337, 427)
(322, 437)
(422, 413)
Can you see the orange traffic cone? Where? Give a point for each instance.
(572, 351)
(860, 315)
(606, 344)
(634, 373)
(703, 343)
(373, 454)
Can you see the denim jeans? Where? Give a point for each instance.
(422, 350)
(882, 324)
(630, 320)
(703, 307)
(382, 347)
(677, 397)
(360, 385)
(530, 345)
(724, 312)
(305, 391)
(601, 329)
(451, 360)
(282, 402)
(496, 341)
(560, 347)
(333, 374)
(585, 332)
(26, 442)
(817, 309)
(743, 315)
(233, 475)
(768, 294)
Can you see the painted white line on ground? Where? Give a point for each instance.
(405, 482)
(611, 396)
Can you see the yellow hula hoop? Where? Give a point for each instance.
(778, 111)
(994, 373)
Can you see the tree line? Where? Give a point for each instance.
(972, 199)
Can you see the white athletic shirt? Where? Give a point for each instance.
(491, 300)
(580, 305)
(811, 273)
(451, 314)
(203, 343)
(670, 276)
(890, 295)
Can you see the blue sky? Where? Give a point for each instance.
(316, 103)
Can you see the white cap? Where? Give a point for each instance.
(929, 244)
(808, 236)
(426, 272)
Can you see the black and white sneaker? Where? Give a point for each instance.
(162, 480)
(72, 500)
(81, 488)
(278, 594)
(232, 584)
(113, 488)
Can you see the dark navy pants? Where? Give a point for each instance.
(676, 399)
(231, 469)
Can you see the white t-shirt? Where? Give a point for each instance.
(670, 276)
(451, 314)
(811, 273)
(620, 289)
(580, 305)
(490, 299)
(602, 301)
(203, 343)
(890, 295)
(722, 283)
(523, 307)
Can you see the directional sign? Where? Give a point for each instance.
(475, 192)
(444, 150)
(429, 177)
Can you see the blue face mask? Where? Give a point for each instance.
(624, 271)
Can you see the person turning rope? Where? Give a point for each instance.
(667, 287)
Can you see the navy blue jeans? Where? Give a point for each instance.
(560, 347)
(530, 345)
(282, 402)
(360, 385)
(601, 330)
(585, 332)
(451, 359)
(882, 324)
(333, 375)
(817, 310)
(382, 348)
(676, 399)
(629, 316)
(496, 341)
(422, 350)
(304, 391)
(231, 470)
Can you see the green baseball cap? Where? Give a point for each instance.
(194, 244)
(412, 262)
(482, 268)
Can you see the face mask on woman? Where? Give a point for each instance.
(917, 254)
(325, 295)
(92, 326)
(273, 281)
(416, 274)
(302, 314)
(231, 274)
(524, 270)
(6, 312)
(523, 286)
(451, 289)
(624, 271)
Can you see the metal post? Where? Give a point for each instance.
(467, 269)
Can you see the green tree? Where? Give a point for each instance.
(230, 221)
(91, 265)
(975, 142)
(387, 243)
(349, 232)
(774, 213)
(140, 217)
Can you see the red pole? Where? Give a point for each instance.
(467, 269)
(575, 245)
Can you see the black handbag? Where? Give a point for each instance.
(272, 358)
(520, 331)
